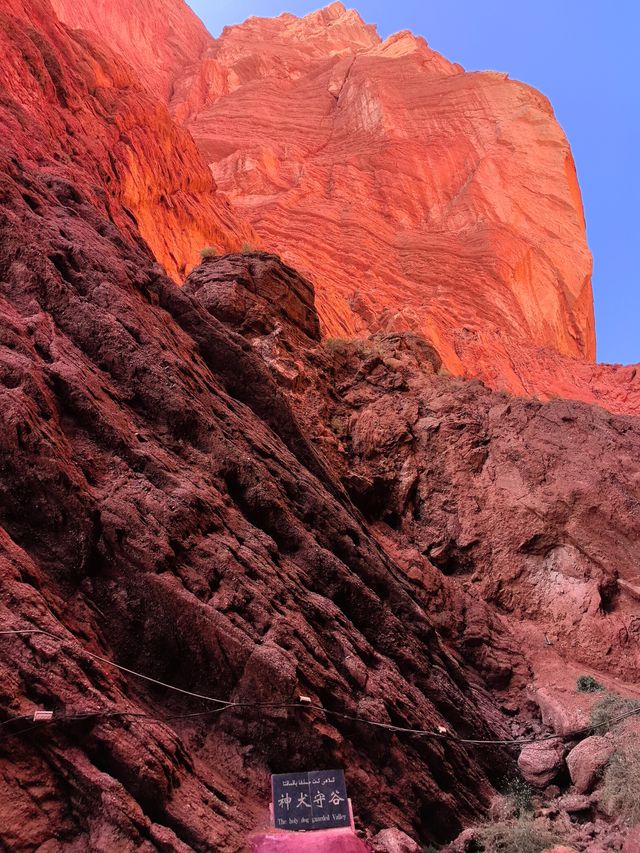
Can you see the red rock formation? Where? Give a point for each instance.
(450, 198)
(434, 462)
(195, 486)
(413, 195)
(94, 123)
(160, 39)
(161, 507)
(479, 497)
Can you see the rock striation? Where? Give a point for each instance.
(161, 507)
(450, 198)
(197, 485)
(72, 103)
(413, 195)
(160, 39)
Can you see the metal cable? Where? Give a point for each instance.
(225, 705)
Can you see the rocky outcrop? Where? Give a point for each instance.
(72, 104)
(162, 507)
(587, 760)
(541, 762)
(413, 195)
(402, 186)
(432, 462)
(196, 487)
(394, 841)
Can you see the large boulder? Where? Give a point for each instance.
(564, 711)
(587, 760)
(394, 841)
(541, 762)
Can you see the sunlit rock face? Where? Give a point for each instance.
(158, 38)
(413, 195)
(88, 111)
(162, 507)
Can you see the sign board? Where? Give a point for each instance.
(315, 800)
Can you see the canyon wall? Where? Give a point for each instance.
(413, 195)
(199, 485)
(90, 118)
(162, 508)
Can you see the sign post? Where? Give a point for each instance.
(308, 801)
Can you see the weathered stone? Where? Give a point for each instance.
(587, 760)
(632, 841)
(574, 803)
(333, 110)
(541, 762)
(564, 711)
(394, 841)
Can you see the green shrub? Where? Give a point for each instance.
(588, 684)
(208, 252)
(621, 788)
(520, 794)
(605, 712)
(515, 836)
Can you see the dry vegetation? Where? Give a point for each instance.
(621, 789)
(606, 712)
(522, 835)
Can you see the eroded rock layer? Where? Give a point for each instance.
(198, 487)
(486, 487)
(413, 195)
(161, 507)
(73, 109)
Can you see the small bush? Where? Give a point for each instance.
(588, 684)
(621, 788)
(605, 712)
(520, 795)
(515, 836)
(333, 344)
(208, 252)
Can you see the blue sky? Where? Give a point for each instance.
(581, 55)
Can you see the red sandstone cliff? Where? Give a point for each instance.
(161, 507)
(160, 39)
(193, 484)
(414, 195)
(90, 118)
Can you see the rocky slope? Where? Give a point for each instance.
(433, 462)
(161, 507)
(482, 501)
(196, 486)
